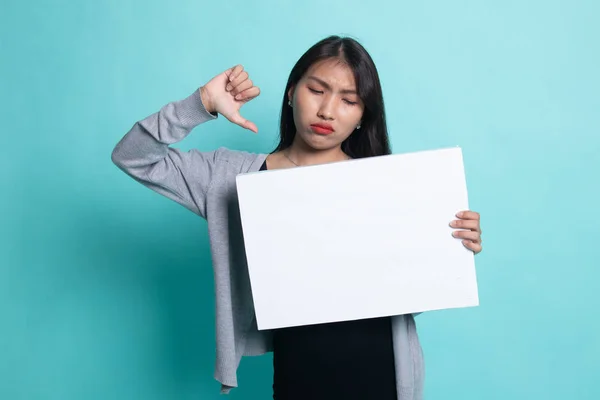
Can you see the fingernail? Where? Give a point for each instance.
(239, 96)
(228, 88)
(453, 223)
(460, 214)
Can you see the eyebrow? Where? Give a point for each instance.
(322, 82)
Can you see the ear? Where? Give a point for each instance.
(291, 93)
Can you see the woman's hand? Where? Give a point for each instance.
(227, 92)
(470, 230)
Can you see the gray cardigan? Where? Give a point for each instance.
(204, 182)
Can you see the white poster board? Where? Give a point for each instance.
(357, 239)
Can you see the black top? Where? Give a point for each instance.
(343, 360)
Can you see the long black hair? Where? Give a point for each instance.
(372, 138)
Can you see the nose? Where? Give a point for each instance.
(326, 108)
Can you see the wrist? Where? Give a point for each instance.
(206, 100)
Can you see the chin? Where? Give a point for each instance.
(319, 142)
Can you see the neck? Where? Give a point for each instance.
(304, 155)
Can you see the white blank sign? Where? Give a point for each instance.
(356, 239)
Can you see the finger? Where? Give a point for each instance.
(247, 84)
(237, 80)
(466, 224)
(475, 247)
(469, 235)
(467, 214)
(233, 72)
(244, 123)
(248, 94)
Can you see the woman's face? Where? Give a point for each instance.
(326, 107)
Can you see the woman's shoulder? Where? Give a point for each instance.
(228, 154)
(240, 159)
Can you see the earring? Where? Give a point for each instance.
(358, 126)
(289, 103)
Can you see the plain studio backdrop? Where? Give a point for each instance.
(106, 287)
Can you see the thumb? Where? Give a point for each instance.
(243, 122)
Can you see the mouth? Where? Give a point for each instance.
(322, 129)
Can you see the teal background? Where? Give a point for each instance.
(106, 288)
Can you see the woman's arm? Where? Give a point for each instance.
(144, 153)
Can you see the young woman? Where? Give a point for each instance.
(332, 110)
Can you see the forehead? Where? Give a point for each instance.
(334, 72)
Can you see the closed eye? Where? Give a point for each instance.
(352, 103)
(315, 91)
